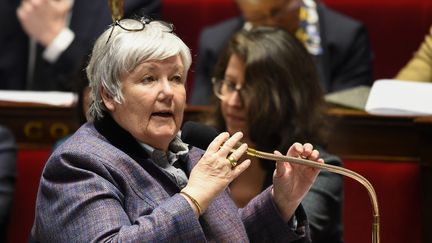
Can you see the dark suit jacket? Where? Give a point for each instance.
(346, 60)
(7, 178)
(89, 20)
(101, 185)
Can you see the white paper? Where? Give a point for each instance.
(41, 97)
(396, 97)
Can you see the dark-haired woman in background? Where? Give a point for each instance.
(268, 89)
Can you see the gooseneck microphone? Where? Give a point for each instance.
(201, 136)
(198, 135)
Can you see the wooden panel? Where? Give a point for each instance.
(37, 126)
(358, 135)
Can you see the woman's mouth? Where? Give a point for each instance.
(164, 114)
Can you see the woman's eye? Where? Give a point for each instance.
(148, 79)
(231, 86)
(177, 79)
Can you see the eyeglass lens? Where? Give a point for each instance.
(224, 89)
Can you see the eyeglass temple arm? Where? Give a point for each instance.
(334, 169)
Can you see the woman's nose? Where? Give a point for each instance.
(166, 87)
(235, 98)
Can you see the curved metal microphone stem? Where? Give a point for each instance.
(334, 169)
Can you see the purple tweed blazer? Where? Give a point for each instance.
(100, 185)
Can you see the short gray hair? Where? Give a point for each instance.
(123, 52)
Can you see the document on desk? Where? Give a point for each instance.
(354, 98)
(55, 98)
(396, 97)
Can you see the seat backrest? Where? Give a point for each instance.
(30, 164)
(396, 29)
(397, 186)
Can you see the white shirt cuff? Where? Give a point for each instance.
(58, 45)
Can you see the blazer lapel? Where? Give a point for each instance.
(124, 141)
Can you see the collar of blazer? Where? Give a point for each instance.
(125, 142)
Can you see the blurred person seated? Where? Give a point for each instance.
(7, 178)
(419, 68)
(43, 41)
(338, 44)
(126, 176)
(82, 89)
(268, 89)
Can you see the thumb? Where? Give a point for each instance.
(280, 167)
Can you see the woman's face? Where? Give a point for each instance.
(154, 100)
(234, 109)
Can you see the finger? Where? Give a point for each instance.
(307, 149)
(23, 11)
(230, 144)
(215, 145)
(314, 155)
(61, 5)
(235, 156)
(280, 166)
(295, 150)
(38, 3)
(25, 7)
(240, 168)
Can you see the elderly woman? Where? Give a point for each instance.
(125, 176)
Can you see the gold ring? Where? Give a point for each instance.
(232, 161)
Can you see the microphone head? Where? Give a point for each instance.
(197, 134)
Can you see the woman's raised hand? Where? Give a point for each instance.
(291, 182)
(217, 169)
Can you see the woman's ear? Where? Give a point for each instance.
(107, 99)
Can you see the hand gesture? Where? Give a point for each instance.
(43, 20)
(216, 169)
(291, 182)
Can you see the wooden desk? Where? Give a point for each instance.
(37, 126)
(358, 135)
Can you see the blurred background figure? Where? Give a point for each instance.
(419, 68)
(338, 44)
(81, 88)
(44, 41)
(7, 178)
(268, 89)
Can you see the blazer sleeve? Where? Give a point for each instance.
(263, 222)
(419, 68)
(83, 200)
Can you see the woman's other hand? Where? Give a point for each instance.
(292, 181)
